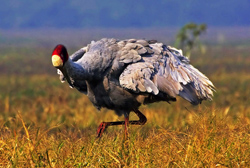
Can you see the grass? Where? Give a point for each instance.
(44, 123)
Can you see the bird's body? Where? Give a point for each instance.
(122, 75)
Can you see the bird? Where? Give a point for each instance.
(121, 75)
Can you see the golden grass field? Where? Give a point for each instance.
(44, 123)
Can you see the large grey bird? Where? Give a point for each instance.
(122, 75)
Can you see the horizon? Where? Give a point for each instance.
(78, 37)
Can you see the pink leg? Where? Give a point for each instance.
(142, 120)
(126, 126)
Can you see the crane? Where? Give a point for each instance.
(123, 74)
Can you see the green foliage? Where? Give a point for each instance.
(188, 37)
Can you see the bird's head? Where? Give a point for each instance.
(59, 56)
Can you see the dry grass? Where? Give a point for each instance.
(43, 123)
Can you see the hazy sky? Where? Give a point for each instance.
(21, 14)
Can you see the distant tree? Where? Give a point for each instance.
(188, 37)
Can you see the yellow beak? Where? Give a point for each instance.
(57, 61)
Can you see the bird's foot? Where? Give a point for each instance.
(101, 128)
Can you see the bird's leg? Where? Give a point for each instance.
(126, 126)
(102, 127)
(142, 120)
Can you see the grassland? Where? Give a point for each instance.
(44, 123)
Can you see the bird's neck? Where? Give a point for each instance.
(74, 72)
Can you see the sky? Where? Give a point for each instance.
(63, 14)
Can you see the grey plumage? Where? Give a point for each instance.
(121, 75)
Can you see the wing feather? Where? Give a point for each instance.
(193, 85)
(154, 68)
(78, 54)
(137, 77)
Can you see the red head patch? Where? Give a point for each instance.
(61, 51)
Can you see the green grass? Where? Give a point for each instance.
(44, 123)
